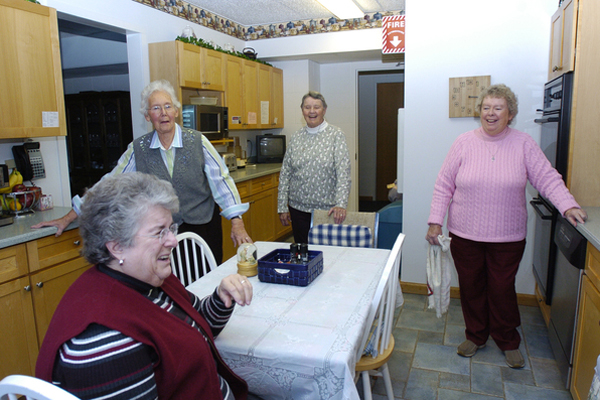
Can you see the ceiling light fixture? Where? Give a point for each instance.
(343, 9)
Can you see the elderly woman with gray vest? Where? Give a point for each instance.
(187, 159)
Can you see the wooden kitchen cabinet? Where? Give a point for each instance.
(587, 346)
(251, 112)
(277, 98)
(32, 98)
(562, 42)
(261, 220)
(27, 303)
(234, 67)
(584, 147)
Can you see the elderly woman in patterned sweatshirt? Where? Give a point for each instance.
(316, 170)
(482, 187)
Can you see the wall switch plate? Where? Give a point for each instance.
(10, 164)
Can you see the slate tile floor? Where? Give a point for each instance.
(425, 365)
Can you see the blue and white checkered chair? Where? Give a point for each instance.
(359, 229)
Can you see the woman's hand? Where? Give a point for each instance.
(60, 223)
(285, 218)
(575, 215)
(432, 234)
(238, 232)
(235, 288)
(339, 214)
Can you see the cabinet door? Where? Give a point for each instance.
(234, 91)
(49, 286)
(189, 66)
(587, 345)
(213, 76)
(262, 216)
(264, 96)
(31, 72)
(251, 113)
(277, 98)
(18, 337)
(563, 35)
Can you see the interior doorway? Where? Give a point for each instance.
(381, 94)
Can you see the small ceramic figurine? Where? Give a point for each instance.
(246, 260)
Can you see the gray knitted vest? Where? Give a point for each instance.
(196, 203)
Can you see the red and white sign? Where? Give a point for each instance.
(393, 34)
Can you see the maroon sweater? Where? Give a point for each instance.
(186, 367)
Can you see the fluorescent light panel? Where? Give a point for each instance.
(343, 9)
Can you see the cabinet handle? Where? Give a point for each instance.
(27, 288)
(77, 242)
(39, 284)
(556, 68)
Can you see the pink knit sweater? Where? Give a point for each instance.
(482, 185)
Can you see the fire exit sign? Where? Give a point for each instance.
(393, 34)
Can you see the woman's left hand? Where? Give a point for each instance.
(235, 288)
(339, 214)
(575, 215)
(238, 232)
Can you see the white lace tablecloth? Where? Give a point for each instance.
(300, 342)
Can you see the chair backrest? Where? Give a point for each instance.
(14, 386)
(368, 219)
(192, 258)
(380, 319)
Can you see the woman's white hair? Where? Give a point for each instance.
(160, 85)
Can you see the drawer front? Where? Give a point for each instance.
(262, 183)
(13, 262)
(243, 188)
(48, 251)
(592, 266)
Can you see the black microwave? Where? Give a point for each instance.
(210, 120)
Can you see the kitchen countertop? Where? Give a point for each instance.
(252, 171)
(591, 229)
(20, 231)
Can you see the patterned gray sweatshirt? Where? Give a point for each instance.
(316, 170)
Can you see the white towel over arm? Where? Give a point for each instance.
(439, 275)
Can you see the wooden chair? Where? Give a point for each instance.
(192, 258)
(366, 219)
(377, 342)
(14, 387)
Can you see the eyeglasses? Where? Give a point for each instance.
(162, 235)
(159, 109)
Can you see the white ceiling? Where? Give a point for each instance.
(260, 12)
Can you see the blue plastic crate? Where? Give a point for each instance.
(275, 267)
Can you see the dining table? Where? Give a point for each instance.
(300, 342)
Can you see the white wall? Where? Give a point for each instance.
(508, 40)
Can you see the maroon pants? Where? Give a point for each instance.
(486, 276)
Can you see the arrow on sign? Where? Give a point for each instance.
(395, 41)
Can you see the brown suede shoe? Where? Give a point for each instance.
(468, 348)
(514, 358)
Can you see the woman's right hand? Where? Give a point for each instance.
(432, 234)
(285, 218)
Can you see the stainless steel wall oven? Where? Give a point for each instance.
(555, 122)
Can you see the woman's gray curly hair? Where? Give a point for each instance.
(314, 95)
(114, 208)
(501, 91)
(160, 85)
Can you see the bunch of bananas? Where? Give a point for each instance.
(15, 178)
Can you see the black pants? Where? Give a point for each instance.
(300, 224)
(211, 232)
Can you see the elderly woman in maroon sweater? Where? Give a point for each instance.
(127, 328)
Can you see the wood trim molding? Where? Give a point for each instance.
(421, 288)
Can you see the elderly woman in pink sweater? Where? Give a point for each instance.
(482, 187)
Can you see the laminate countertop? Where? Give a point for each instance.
(252, 171)
(591, 229)
(20, 230)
